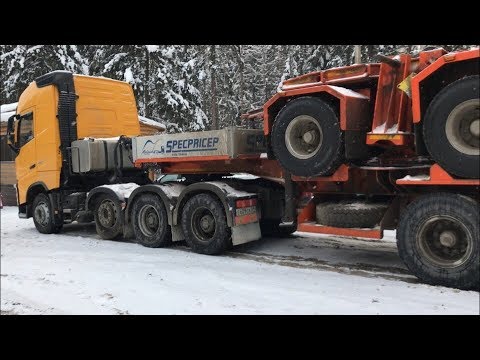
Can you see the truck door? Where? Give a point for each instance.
(25, 162)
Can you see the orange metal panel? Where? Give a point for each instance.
(340, 175)
(358, 233)
(438, 176)
(430, 69)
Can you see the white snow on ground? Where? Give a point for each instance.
(122, 189)
(77, 273)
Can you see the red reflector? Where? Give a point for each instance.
(246, 203)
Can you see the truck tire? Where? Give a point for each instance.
(43, 216)
(438, 240)
(451, 129)
(204, 225)
(271, 227)
(150, 222)
(350, 214)
(306, 137)
(108, 217)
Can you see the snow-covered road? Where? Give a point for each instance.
(77, 273)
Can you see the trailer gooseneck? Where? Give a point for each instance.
(349, 151)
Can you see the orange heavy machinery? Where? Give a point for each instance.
(349, 151)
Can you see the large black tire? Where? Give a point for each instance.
(426, 245)
(350, 214)
(215, 237)
(150, 222)
(43, 215)
(454, 143)
(271, 227)
(108, 217)
(323, 154)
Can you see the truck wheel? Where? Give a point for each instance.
(438, 239)
(108, 217)
(350, 214)
(451, 128)
(306, 137)
(204, 225)
(43, 216)
(150, 222)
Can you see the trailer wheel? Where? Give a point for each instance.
(43, 216)
(438, 239)
(150, 222)
(306, 137)
(451, 128)
(350, 214)
(108, 217)
(204, 225)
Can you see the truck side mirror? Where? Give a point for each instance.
(12, 134)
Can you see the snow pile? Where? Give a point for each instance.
(172, 190)
(231, 192)
(421, 177)
(380, 129)
(348, 92)
(151, 122)
(243, 176)
(7, 110)
(123, 190)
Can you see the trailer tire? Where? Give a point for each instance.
(150, 222)
(438, 240)
(204, 225)
(451, 129)
(350, 214)
(306, 137)
(108, 217)
(43, 215)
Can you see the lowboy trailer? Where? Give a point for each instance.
(348, 151)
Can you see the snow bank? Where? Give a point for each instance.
(348, 92)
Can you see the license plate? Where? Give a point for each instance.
(246, 215)
(245, 211)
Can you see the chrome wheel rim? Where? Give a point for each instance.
(303, 137)
(463, 127)
(148, 220)
(444, 241)
(107, 213)
(203, 224)
(42, 213)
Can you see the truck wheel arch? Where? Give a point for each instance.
(150, 188)
(206, 187)
(431, 80)
(96, 192)
(33, 190)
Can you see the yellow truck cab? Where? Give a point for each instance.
(54, 111)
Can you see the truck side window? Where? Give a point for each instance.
(26, 129)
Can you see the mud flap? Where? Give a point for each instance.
(245, 233)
